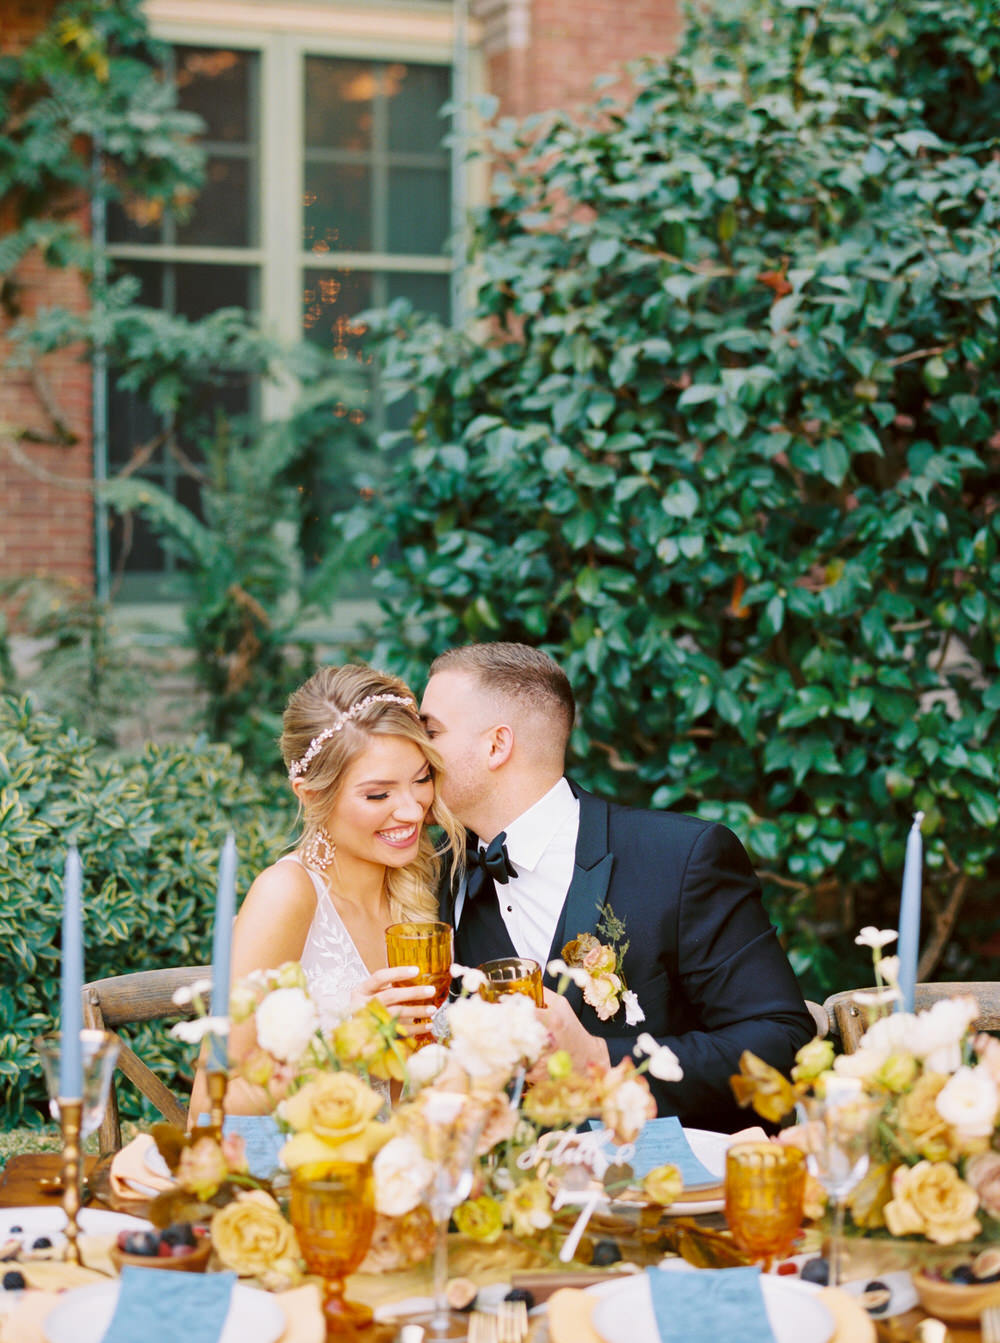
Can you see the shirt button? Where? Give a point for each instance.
(510, 909)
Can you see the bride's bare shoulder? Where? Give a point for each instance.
(285, 885)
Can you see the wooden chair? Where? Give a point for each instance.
(125, 1000)
(820, 1018)
(847, 1021)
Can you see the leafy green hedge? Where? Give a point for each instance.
(722, 437)
(149, 830)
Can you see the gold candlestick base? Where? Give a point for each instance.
(70, 1116)
(217, 1083)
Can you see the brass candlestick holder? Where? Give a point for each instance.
(217, 1083)
(70, 1116)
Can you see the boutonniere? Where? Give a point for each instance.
(596, 968)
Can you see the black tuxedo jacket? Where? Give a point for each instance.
(703, 958)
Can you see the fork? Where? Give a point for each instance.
(989, 1324)
(512, 1322)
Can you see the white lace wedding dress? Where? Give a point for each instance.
(332, 963)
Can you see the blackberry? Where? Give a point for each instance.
(41, 1243)
(13, 1280)
(606, 1252)
(178, 1233)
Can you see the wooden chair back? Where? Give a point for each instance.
(125, 1000)
(848, 1022)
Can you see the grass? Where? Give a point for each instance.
(19, 1140)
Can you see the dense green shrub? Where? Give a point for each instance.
(149, 830)
(723, 439)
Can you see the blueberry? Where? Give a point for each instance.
(41, 1243)
(521, 1294)
(876, 1297)
(963, 1274)
(144, 1243)
(605, 1252)
(817, 1271)
(13, 1281)
(178, 1233)
(17, 1230)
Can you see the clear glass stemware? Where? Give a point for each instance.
(100, 1054)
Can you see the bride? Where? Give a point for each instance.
(363, 769)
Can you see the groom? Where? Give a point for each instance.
(703, 960)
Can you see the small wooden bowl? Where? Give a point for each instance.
(195, 1262)
(955, 1301)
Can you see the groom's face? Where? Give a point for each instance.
(457, 715)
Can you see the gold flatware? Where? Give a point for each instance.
(512, 1322)
(989, 1324)
(482, 1328)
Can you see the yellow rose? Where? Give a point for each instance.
(370, 1037)
(251, 1237)
(663, 1184)
(480, 1218)
(528, 1208)
(813, 1059)
(919, 1120)
(557, 1101)
(333, 1106)
(930, 1199)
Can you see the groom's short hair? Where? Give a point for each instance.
(516, 672)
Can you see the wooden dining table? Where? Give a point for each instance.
(25, 1183)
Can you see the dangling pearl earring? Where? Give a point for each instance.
(320, 851)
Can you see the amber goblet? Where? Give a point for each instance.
(765, 1186)
(512, 974)
(333, 1219)
(428, 946)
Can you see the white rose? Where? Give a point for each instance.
(938, 1033)
(402, 1174)
(863, 1063)
(490, 1038)
(968, 1102)
(423, 1066)
(286, 1021)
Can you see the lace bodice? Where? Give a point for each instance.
(332, 963)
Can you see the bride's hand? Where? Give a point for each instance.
(406, 1002)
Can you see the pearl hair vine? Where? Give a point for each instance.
(298, 767)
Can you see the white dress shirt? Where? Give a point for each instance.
(541, 844)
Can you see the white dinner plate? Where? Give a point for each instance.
(42, 1221)
(710, 1149)
(624, 1312)
(83, 1315)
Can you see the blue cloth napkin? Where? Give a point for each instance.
(709, 1304)
(155, 1306)
(264, 1140)
(662, 1142)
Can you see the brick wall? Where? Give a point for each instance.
(544, 54)
(46, 507)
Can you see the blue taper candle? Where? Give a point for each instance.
(71, 984)
(909, 913)
(225, 909)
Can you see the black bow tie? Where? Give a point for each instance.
(487, 866)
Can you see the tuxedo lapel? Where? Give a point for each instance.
(588, 888)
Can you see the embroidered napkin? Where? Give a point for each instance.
(662, 1142)
(158, 1307)
(709, 1304)
(130, 1174)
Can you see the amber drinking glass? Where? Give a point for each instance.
(333, 1219)
(765, 1186)
(428, 946)
(512, 974)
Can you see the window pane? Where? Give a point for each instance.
(338, 207)
(201, 290)
(419, 206)
(416, 94)
(331, 301)
(222, 214)
(339, 103)
(218, 85)
(427, 293)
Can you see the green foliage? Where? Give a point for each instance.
(149, 830)
(723, 440)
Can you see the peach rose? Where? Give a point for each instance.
(983, 1174)
(931, 1199)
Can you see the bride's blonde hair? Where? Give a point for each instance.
(327, 723)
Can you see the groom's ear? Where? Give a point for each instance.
(501, 740)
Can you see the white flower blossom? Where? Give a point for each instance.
(576, 973)
(663, 1062)
(969, 1102)
(875, 938)
(472, 979)
(489, 1038)
(402, 1175)
(877, 997)
(193, 1032)
(888, 968)
(286, 1022)
(938, 1033)
(633, 1012)
(424, 1065)
(186, 993)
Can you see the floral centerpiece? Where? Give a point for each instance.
(934, 1172)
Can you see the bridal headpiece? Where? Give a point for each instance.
(299, 767)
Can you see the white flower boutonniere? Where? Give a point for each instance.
(596, 967)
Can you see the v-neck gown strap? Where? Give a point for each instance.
(332, 963)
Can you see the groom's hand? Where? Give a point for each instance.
(567, 1033)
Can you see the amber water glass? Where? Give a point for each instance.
(765, 1187)
(428, 946)
(334, 1218)
(512, 974)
